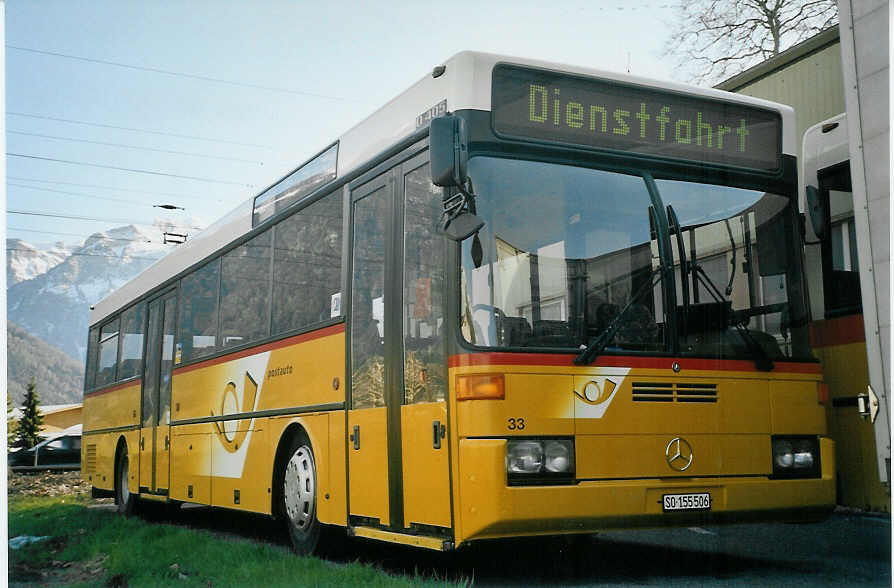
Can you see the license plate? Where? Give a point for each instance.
(696, 501)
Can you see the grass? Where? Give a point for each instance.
(89, 547)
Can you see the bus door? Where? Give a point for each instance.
(155, 435)
(397, 420)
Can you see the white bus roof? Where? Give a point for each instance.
(465, 85)
(825, 144)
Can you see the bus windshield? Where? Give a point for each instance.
(566, 250)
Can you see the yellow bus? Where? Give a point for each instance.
(521, 298)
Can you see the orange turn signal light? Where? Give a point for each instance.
(822, 393)
(480, 386)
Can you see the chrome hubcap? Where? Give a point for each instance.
(299, 489)
(122, 480)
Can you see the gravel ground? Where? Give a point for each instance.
(46, 484)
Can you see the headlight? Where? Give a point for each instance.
(783, 456)
(796, 457)
(803, 455)
(558, 456)
(524, 457)
(539, 461)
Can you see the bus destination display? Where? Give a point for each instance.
(604, 114)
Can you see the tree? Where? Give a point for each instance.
(11, 427)
(31, 421)
(717, 39)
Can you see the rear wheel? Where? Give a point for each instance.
(123, 498)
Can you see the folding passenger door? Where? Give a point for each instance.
(397, 448)
(423, 356)
(371, 357)
(155, 434)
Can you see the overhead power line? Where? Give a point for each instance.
(109, 198)
(136, 130)
(221, 157)
(179, 74)
(87, 218)
(121, 200)
(127, 169)
(95, 255)
(81, 235)
(152, 192)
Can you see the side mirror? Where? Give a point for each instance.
(463, 226)
(449, 150)
(816, 207)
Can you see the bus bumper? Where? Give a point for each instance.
(488, 508)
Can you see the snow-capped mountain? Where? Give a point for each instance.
(25, 261)
(55, 305)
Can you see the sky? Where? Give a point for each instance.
(203, 104)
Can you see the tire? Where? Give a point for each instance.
(124, 498)
(298, 497)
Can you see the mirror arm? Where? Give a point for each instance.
(817, 205)
(463, 201)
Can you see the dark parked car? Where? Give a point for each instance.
(57, 453)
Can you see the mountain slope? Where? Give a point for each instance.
(55, 305)
(59, 379)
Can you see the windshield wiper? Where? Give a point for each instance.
(594, 349)
(761, 360)
(685, 266)
(732, 271)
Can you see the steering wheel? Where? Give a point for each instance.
(497, 312)
(489, 330)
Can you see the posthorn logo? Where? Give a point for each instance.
(230, 431)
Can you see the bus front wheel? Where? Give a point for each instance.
(299, 497)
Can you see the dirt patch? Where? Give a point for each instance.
(47, 484)
(59, 572)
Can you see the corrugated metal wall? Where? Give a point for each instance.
(812, 85)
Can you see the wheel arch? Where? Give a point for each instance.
(120, 447)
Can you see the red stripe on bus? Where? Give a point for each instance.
(561, 360)
(302, 338)
(837, 331)
(114, 388)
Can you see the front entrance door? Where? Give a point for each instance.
(372, 373)
(155, 440)
(397, 420)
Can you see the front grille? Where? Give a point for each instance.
(653, 392)
(90, 459)
(673, 392)
(696, 392)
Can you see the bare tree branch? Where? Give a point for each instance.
(716, 39)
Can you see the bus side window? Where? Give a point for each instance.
(92, 358)
(841, 276)
(245, 292)
(425, 365)
(108, 353)
(131, 353)
(307, 264)
(198, 314)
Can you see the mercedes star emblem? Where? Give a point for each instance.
(679, 454)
